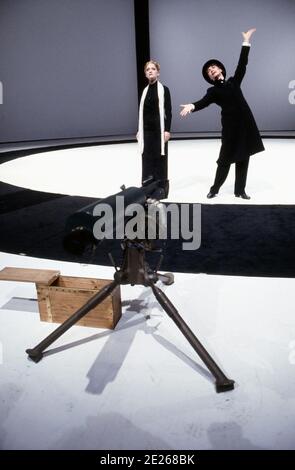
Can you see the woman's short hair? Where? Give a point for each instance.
(156, 64)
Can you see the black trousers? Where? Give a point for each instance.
(240, 176)
(154, 164)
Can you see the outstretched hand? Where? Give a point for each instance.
(248, 34)
(186, 109)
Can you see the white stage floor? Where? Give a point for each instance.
(100, 171)
(142, 386)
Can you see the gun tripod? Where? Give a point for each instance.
(135, 271)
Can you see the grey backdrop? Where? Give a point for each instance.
(184, 34)
(68, 69)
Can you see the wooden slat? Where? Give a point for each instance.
(81, 282)
(40, 276)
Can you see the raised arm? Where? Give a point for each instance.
(243, 60)
(248, 34)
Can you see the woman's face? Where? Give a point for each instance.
(151, 72)
(214, 72)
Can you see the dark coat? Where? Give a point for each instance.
(151, 115)
(240, 136)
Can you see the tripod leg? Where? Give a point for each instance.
(36, 353)
(223, 384)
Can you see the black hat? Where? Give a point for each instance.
(211, 62)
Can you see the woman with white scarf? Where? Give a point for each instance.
(154, 128)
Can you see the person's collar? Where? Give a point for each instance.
(221, 81)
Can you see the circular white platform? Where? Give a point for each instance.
(100, 171)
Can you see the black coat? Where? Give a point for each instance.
(240, 136)
(151, 115)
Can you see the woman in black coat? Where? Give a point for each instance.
(240, 136)
(154, 129)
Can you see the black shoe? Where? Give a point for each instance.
(211, 194)
(243, 195)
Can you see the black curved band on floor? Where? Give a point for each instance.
(243, 240)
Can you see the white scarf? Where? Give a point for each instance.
(160, 90)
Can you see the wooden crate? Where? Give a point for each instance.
(60, 296)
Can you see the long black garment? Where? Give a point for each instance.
(153, 163)
(240, 136)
